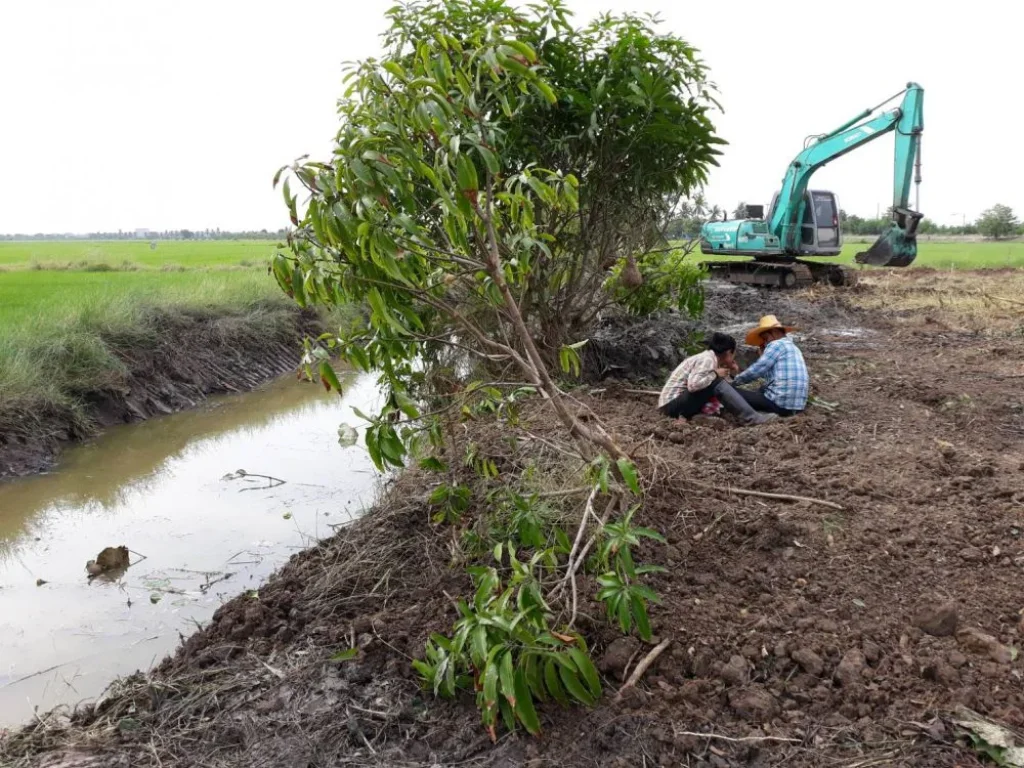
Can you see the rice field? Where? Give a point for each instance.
(137, 254)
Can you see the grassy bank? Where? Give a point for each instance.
(80, 348)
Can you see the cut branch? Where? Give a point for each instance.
(645, 662)
(762, 494)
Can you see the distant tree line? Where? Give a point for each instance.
(146, 234)
(997, 223)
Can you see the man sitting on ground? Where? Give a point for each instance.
(781, 366)
(701, 380)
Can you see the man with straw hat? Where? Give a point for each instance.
(699, 385)
(781, 366)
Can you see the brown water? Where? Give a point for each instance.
(160, 488)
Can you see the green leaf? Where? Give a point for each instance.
(572, 685)
(298, 286)
(508, 715)
(506, 674)
(328, 375)
(649, 533)
(554, 685)
(645, 592)
(490, 159)
(478, 645)
(346, 655)
(621, 611)
(628, 471)
(643, 624)
(490, 687)
(534, 676)
(587, 670)
(406, 405)
(466, 174)
(523, 705)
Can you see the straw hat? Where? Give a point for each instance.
(768, 323)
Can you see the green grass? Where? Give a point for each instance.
(191, 254)
(941, 255)
(33, 301)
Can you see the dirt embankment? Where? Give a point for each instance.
(803, 634)
(187, 355)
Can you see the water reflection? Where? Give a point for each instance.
(159, 488)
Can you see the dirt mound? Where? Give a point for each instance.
(647, 349)
(803, 633)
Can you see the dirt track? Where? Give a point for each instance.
(843, 636)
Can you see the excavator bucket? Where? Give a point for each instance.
(897, 246)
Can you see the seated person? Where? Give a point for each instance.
(701, 379)
(781, 366)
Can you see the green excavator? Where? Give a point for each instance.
(805, 222)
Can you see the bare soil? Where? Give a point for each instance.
(802, 635)
(197, 353)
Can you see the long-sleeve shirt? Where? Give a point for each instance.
(693, 374)
(787, 383)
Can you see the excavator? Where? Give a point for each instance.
(805, 222)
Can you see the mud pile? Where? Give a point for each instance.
(647, 349)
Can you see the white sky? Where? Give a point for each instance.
(175, 114)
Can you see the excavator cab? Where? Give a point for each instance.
(820, 231)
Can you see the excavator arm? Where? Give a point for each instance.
(898, 245)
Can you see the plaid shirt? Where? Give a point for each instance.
(693, 374)
(787, 383)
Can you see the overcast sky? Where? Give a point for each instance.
(120, 114)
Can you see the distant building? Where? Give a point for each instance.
(142, 234)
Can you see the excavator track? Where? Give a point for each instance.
(835, 275)
(788, 275)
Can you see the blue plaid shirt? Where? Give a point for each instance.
(782, 366)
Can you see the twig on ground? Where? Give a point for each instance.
(1001, 298)
(587, 511)
(567, 492)
(574, 561)
(643, 391)
(719, 737)
(641, 667)
(762, 494)
(612, 504)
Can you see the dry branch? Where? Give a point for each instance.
(732, 740)
(763, 495)
(645, 662)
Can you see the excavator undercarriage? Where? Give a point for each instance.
(782, 273)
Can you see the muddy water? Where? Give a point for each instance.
(169, 490)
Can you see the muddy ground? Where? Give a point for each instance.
(197, 353)
(802, 634)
